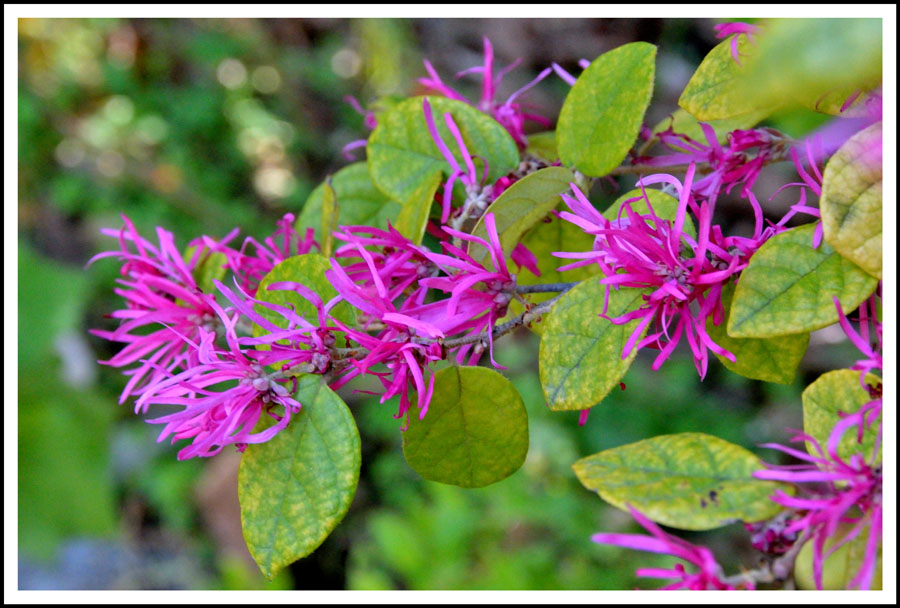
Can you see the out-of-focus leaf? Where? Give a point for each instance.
(851, 200)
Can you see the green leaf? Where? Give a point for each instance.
(361, 203)
(474, 433)
(543, 144)
(308, 269)
(581, 353)
(664, 205)
(602, 113)
(520, 207)
(851, 200)
(552, 234)
(832, 101)
(413, 216)
(402, 156)
(768, 359)
(807, 58)
(788, 287)
(682, 122)
(715, 91)
(295, 488)
(841, 566)
(833, 392)
(690, 481)
(212, 266)
(330, 212)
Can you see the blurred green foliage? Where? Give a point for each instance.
(201, 125)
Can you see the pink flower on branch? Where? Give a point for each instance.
(709, 573)
(736, 29)
(510, 114)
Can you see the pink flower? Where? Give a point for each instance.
(509, 114)
(646, 252)
(223, 395)
(709, 573)
(724, 30)
(161, 293)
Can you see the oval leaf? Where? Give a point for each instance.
(543, 145)
(715, 91)
(788, 286)
(521, 206)
(840, 565)
(475, 432)
(413, 216)
(581, 353)
(402, 156)
(851, 200)
(690, 481)
(360, 202)
(296, 487)
(308, 269)
(602, 114)
(768, 359)
(833, 392)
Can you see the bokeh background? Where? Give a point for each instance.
(203, 125)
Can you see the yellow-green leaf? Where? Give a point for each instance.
(543, 144)
(474, 433)
(602, 113)
(769, 359)
(715, 91)
(664, 205)
(309, 270)
(581, 353)
(690, 481)
(520, 207)
(788, 287)
(361, 203)
(833, 392)
(840, 567)
(330, 212)
(296, 487)
(403, 157)
(851, 200)
(413, 216)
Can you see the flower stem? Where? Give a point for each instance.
(546, 287)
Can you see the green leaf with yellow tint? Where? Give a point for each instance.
(851, 200)
(309, 270)
(474, 433)
(602, 113)
(690, 481)
(807, 58)
(330, 212)
(788, 287)
(841, 566)
(682, 122)
(715, 90)
(520, 207)
(769, 359)
(296, 487)
(581, 353)
(211, 266)
(413, 216)
(360, 202)
(834, 392)
(543, 144)
(403, 158)
(552, 234)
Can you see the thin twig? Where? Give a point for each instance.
(546, 287)
(776, 570)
